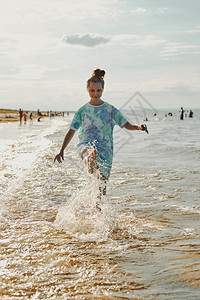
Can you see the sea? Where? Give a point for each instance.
(145, 241)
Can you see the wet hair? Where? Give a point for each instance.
(97, 77)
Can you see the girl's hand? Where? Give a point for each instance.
(144, 128)
(59, 157)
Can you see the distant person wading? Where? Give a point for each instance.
(182, 113)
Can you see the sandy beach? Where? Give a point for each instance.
(13, 116)
(8, 116)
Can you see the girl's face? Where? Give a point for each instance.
(95, 91)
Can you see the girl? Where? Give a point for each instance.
(96, 120)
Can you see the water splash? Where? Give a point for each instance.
(80, 216)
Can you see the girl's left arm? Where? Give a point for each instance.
(130, 126)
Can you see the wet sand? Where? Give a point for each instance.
(13, 116)
(9, 116)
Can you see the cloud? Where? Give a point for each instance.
(184, 87)
(86, 40)
(138, 40)
(194, 31)
(7, 45)
(24, 45)
(172, 50)
(140, 11)
(161, 10)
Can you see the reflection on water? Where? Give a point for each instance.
(55, 245)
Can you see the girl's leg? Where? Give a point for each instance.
(102, 185)
(102, 190)
(89, 158)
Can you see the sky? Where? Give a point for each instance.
(49, 48)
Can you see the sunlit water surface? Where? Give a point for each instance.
(145, 243)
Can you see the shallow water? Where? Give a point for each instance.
(145, 243)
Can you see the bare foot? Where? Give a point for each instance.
(92, 157)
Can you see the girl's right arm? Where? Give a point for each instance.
(66, 141)
(130, 126)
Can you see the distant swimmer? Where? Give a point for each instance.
(182, 113)
(191, 114)
(96, 120)
(31, 117)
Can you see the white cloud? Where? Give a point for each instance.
(163, 85)
(172, 50)
(137, 40)
(16, 45)
(7, 45)
(140, 11)
(22, 12)
(87, 40)
(161, 10)
(194, 30)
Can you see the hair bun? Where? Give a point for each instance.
(99, 73)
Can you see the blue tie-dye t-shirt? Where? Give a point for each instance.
(96, 125)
